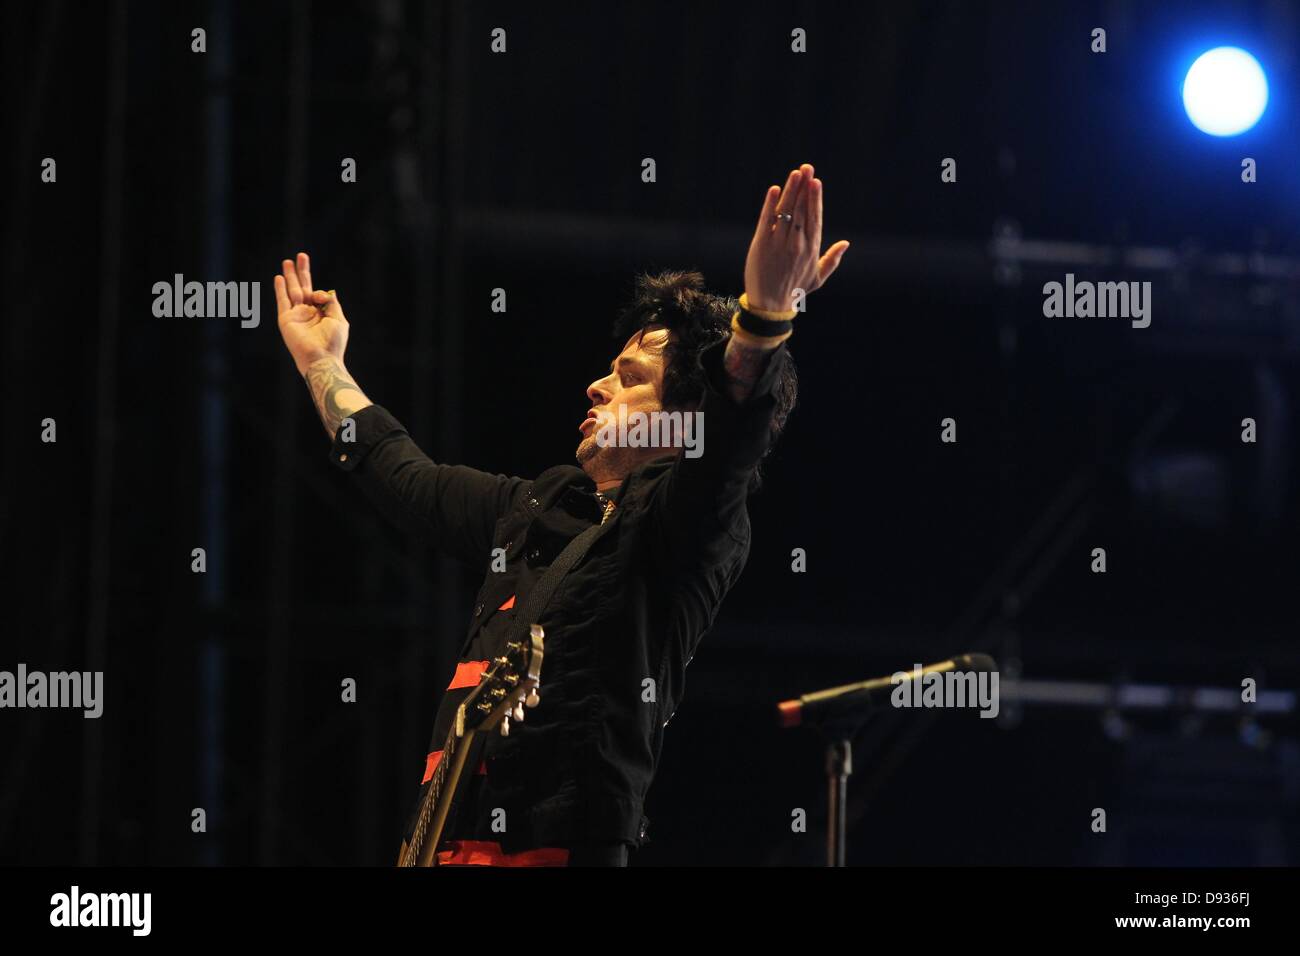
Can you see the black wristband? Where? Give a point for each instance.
(766, 328)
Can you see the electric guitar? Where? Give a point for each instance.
(505, 687)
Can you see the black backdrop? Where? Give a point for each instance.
(522, 171)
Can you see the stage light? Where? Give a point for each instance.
(1225, 91)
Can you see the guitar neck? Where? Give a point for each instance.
(504, 690)
(436, 805)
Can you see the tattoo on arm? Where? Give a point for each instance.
(335, 393)
(743, 365)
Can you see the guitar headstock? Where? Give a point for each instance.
(508, 684)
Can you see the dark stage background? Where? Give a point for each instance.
(522, 171)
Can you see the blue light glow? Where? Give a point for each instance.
(1225, 91)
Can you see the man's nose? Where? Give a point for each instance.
(597, 392)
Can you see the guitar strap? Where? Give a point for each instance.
(539, 598)
(530, 612)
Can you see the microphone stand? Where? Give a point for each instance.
(839, 713)
(839, 766)
(838, 733)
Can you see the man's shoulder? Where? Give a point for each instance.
(648, 491)
(557, 479)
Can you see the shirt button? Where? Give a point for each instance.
(343, 457)
(532, 502)
(534, 554)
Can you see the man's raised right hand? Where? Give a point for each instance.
(311, 322)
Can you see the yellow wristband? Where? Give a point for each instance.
(766, 313)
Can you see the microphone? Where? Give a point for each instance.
(855, 701)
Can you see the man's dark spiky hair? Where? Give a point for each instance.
(677, 301)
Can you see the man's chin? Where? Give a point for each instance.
(587, 449)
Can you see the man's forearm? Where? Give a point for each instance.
(335, 392)
(757, 331)
(743, 363)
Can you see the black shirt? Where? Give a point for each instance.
(621, 628)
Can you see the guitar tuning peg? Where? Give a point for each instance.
(505, 726)
(519, 710)
(532, 700)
